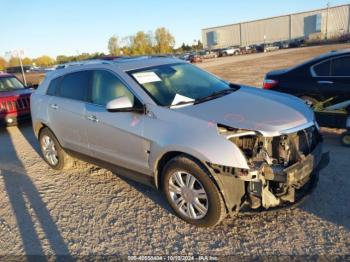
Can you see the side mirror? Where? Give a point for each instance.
(123, 104)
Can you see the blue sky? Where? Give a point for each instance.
(74, 26)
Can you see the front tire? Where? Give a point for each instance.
(52, 152)
(191, 193)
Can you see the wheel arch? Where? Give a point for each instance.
(41, 126)
(165, 158)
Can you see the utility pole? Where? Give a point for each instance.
(23, 75)
(18, 54)
(328, 5)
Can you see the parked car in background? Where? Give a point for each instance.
(297, 43)
(323, 83)
(18, 69)
(282, 44)
(233, 50)
(206, 54)
(320, 79)
(256, 48)
(211, 146)
(195, 58)
(246, 50)
(14, 100)
(269, 47)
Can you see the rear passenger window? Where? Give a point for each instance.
(75, 85)
(341, 66)
(52, 90)
(323, 69)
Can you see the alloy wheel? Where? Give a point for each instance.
(49, 150)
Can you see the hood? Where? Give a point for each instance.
(15, 93)
(267, 112)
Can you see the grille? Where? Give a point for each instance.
(19, 104)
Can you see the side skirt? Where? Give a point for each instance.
(130, 174)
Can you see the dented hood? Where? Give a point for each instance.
(268, 112)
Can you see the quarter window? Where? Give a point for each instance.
(341, 66)
(106, 87)
(75, 85)
(52, 90)
(323, 69)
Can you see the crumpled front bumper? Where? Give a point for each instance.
(295, 179)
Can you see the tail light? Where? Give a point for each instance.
(269, 83)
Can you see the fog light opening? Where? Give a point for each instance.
(9, 120)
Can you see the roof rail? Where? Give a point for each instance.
(84, 62)
(109, 60)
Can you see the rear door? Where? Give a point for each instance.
(322, 80)
(67, 110)
(340, 72)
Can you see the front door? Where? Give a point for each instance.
(115, 137)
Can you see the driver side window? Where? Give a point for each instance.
(106, 87)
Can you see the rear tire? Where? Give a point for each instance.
(52, 152)
(345, 138)
(191, 193)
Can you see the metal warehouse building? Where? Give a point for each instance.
(318, 24)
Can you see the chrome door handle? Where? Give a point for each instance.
(54, 106)
(92, 118)
(325, 82)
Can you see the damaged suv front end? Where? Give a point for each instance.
(279, 166)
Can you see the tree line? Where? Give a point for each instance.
(161, 41)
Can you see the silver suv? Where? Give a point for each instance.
(213, 148)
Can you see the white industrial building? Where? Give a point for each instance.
(322, 23)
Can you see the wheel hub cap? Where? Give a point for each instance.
(188, 195)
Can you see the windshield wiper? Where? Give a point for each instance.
(183, 103)
(207, 98)
(214, 95)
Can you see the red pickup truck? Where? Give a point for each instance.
(14, 100)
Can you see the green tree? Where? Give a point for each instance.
(27, 61)
(199, 45)
(164, 41)
(14, 61)
(3, 63)
(113, 46)
(185, 47)
(62, 59)
(141, 44)
(44, 61)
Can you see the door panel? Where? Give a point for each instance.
(67, 120)
(340, 72)
(322, 81)
(117, 138)
(68, 95)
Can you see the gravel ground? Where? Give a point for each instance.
(88, 210)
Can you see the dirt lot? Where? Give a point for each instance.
(88, 210)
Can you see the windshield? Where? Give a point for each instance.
(179, 83)
(10, 83)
